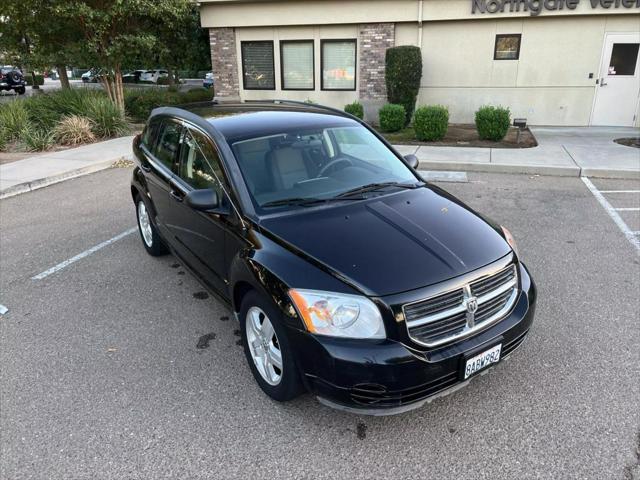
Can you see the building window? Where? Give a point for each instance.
(257, 65)
(338, 60)
(624, 57)
(507, 47)
(296, 65)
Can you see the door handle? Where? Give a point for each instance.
(176, 195)
(144, 167)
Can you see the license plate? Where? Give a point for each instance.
(482, 361)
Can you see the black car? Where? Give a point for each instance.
(11, 78)
(351, 277)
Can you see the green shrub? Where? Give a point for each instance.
(392, 117)
(29, 79)
(14, 118)
(108, 120)
(403, 71)
(355, 109)
(36, 140)
(431, 122)
(492, 123)
(194, 95)
(74, 130)
(46, 110)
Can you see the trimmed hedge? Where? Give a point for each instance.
(392, 117)
(431, 122)
(492, 123)
(403, 71)
(355, 109)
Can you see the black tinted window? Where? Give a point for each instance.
(199, 163)
(168, 143)
(149, 134)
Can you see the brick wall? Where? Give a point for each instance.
(374, 39)
(224, 63)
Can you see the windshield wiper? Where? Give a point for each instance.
(377, 186)
(301, 201)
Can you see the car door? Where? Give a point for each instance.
(160, 158)
(200, 236)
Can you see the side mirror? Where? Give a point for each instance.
(412, 160)
(202, 200)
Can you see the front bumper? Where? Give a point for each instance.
(383, 377)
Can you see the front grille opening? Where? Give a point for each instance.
(445, 316)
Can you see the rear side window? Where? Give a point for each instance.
(199, 163)
(149, 134)
(168, 142)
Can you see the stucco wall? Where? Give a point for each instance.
(549, 85)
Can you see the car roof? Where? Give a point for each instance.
(252, 120)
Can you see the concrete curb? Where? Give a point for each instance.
(53, 179)
(546, 170)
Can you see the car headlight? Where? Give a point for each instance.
(510, 240)
(338, 315)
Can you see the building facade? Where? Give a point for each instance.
(554, 62)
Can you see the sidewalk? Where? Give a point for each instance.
(48, 168)
(577, 151)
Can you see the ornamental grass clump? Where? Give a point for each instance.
(74, 130)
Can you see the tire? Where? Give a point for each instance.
(21, 91)
(280, 383)
(151, 240)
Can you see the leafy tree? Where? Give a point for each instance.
(117, 31)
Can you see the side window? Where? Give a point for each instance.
(199, 163)
(149, 134)
(168, 142)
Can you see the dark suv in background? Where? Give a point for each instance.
(11, 78)
(351, 277)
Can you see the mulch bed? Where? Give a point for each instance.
(465, 135)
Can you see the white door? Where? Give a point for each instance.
(619, 83)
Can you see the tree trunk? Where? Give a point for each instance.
(34, 84)
(172, 80)
(119, 89)
(64, 79)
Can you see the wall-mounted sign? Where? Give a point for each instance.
(536, 7)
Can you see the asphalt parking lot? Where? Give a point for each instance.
(119, 365)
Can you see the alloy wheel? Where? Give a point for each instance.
(264, 346)
(145, 224)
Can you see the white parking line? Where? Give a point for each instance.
(619, 191)
(632, 209)
(3, 309)
(82, 255)
(613, 214)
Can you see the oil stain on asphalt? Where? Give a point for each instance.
(361, 430)
(203, 341)
(202, 295)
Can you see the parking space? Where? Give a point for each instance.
(119, 365)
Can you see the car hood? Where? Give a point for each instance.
(394, 243)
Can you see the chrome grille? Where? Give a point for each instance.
(464, 310)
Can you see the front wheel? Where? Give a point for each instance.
(267, 348)
(21, 90)
(152, 242)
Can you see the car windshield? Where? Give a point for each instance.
(298, 168)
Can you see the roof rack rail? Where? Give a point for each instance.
(318, 106)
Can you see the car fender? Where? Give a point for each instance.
(272, 270)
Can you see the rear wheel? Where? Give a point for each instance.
(267, 348)
(152, 242)
(21, 90)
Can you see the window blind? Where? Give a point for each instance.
(339, 65)
(297, 65)
(257, 65)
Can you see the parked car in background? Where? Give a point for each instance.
(133, 77)
(11, 78)
(91, 76)
(153, 75)
(351, 276)
(208, 80)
